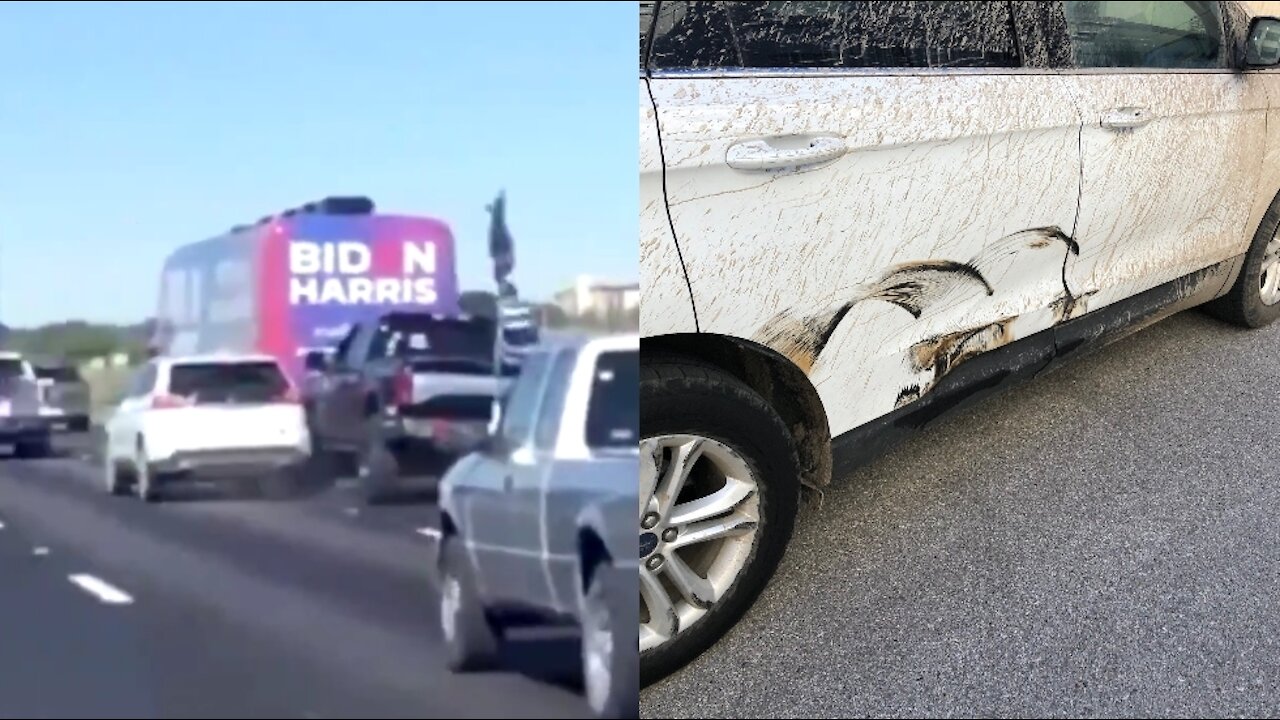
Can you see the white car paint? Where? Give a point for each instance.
(167, 431)
(968, 167)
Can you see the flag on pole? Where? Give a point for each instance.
(501, 246)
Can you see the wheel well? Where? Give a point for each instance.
(592, 554)
(783, 385)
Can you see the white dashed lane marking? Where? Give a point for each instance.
(40, 551)
(101, 589)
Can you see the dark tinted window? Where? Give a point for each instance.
(613, 412)
(1145, 34)
(553, 403)
(520, 335)
(425, 336)
(797, 34)
(243, 382)
(646, 22)
(59, 374)
(519, 412)
(10, 368)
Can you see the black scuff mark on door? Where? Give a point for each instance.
(940, 354)
(914, 287)
(917, 287)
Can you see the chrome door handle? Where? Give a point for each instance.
(1126, 118)
(762, 155)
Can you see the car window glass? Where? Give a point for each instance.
(520, 412)
(646, 22)
(613, 412)
(64, 374)
(10, 368)
(1145, 34)
(228, 383)
(554, 398)
(798, 34)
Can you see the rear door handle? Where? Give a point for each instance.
(762, 155)
(1126, 118)
(508, 483)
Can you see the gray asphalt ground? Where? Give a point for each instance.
(1102, 541)
(316, 607)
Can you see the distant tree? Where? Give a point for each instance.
(480, 303)
(553, 316)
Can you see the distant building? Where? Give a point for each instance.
(601, 298)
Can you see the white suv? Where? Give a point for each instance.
(857, 215)
(224, 416)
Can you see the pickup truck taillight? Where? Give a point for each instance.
(402, 387)
(168, 402)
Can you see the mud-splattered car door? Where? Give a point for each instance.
(662, 280)
(877, 190)
(1173, 144)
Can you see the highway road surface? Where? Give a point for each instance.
(1101, 542)
(217, 606)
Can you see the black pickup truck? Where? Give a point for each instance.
(403, 395)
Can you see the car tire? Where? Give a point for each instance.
(34, 449)
(111, 477)
(679, 397)
(378, 470)
(144, 477)
(610, 660)
(283, 483)
(1244, 304)
(471, 640)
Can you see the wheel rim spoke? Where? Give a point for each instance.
(737, 524)
(696, 589)
(650, 453)
(663, 619)
(720, 502)
(1271, 282)
(719, 513)
(677, 472)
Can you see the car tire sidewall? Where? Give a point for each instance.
(475, 642)
(716, 406)
(1249, 309)
(612, 600)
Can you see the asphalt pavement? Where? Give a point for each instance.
(1102, 541)
(214, 604)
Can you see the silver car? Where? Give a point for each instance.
(536, 526)
(65, 392)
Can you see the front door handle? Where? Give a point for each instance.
(764, 155)
(1126, 118)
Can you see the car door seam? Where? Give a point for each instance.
(666, 205)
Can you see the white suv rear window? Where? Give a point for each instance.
(217, 383)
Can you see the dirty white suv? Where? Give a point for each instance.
(857, 215)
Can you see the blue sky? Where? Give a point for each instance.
(130, 129)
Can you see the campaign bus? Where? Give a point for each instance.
(296, 281)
